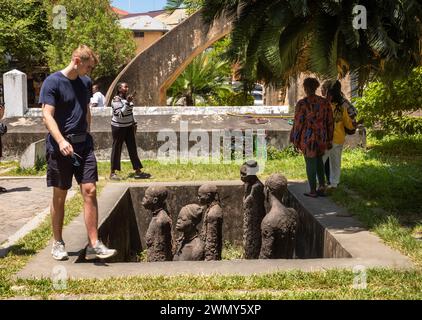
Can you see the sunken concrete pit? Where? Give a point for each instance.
(324, 239)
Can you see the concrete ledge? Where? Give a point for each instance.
(24, 131)
(34, 153)
(157, 111)
(348, 232)
(364, 248)
(196, 268)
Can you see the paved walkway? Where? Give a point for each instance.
(26, 198)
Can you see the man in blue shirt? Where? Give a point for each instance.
(65, 97)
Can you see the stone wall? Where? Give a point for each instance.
(26, 130)
(119, 231)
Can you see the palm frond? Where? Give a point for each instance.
(172, 5)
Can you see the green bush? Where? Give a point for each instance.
(383, 105)
(240, 99)
(403, 125)
(234, 99)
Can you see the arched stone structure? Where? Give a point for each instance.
(153, 70)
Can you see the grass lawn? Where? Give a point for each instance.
(381, 186)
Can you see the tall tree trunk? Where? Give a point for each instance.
(189, 100)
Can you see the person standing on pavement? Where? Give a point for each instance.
(65, 97)
(324, 91)
(312, 134)
(123, 129)
(342, 121)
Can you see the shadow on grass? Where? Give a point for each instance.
(387, 188)
(20, 250)
(394, 146)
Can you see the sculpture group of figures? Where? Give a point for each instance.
(266, 235)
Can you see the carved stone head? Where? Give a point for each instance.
(154, 197)
(276, 184)
(248, 171)
(207, 193)
(189, 217)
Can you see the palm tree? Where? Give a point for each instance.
(203, 78)
(190, 5)
(275, 39)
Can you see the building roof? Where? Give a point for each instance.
(143, 23)
(120, 12)
(152, 14)
(171, 20)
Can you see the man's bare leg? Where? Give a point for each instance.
(57, 212)
(89, 195)
(96, 249)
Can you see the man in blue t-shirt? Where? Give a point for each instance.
(65, 97)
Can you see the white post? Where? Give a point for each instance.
(15, 94)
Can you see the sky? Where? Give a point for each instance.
(139, 5)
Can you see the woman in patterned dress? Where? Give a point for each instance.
(312, 134)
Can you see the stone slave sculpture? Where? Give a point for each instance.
(212, 226)
(253, 209)
(278, 227)
(189, 246)
(158, 236)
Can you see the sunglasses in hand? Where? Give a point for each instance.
(75, 160)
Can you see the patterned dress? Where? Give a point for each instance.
(313, 126)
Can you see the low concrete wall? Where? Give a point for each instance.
(15, 143)
(312, 239)
(157, 111)
(120, 231)
(34, 153)
(24, 131)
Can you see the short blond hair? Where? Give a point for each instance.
(85, 53)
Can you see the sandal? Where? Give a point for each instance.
(311, 195)
(3, 190)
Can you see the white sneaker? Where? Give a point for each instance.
(58, 251)
(99, 251)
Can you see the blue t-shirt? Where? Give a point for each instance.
(70, 99)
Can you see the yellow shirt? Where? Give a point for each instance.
(341, 120)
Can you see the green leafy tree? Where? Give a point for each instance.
(390, 106)
(23, 34)
(273, 40)
(94, 24)
(204, 79)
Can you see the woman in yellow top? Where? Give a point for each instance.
(341, 120)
